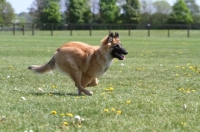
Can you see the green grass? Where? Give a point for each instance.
(156, 88)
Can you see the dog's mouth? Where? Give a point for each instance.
(120, 56)
(118, 52)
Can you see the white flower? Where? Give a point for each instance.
(29, 131)
(122, 64)
(77, 117)
(3, 118)
(8, 76)
(184, 106)
(40, 89)
(23, 98)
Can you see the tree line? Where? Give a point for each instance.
(107, 12)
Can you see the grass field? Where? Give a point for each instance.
(155, 89)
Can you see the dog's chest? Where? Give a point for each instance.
(103, 68)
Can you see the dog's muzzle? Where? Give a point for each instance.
(119, 52)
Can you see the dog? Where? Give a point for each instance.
(84, 63)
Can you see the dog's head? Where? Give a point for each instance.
(117, 51)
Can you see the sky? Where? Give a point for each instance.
(23, 5)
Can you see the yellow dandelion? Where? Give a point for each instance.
(193, 90)
(191, 67)
(69, 114)
(62, 114)
(112, 109)
(79, 126)
(183, 123)
(109, 89)
(54, 86)
(106, 110)
(176, 75)
(53, 112)
(181, 89)
(128, 102)
(77, 97)
(65, 123)
(176, 66)
(102, 93)
(119, 112)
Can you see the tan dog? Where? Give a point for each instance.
(84, 63)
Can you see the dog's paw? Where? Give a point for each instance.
(88, 92)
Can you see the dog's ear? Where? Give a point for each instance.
(116, 35)
(110, 37)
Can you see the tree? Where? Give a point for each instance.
(194, 9)
(95, 10)
(162, 10)
(109, 11)
(24, 17)
(131, 11)
(6, 12)
(37, 10)
(147, 6)
(147, 10)
(78, 11)
(52, 13)
(180, 14)
(162, 7)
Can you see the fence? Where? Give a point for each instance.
(92, 29)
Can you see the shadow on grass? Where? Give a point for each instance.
(54, 93)
(48, 93)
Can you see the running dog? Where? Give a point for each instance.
(84, 63)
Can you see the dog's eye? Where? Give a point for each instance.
(117, 45)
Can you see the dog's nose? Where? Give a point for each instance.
(126, 53)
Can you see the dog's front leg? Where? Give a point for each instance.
(76, 76)
(80, 85)
(82, 89)
(94, 82)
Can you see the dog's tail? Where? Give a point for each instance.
(44, 68)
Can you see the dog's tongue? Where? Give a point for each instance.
(122, 57)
